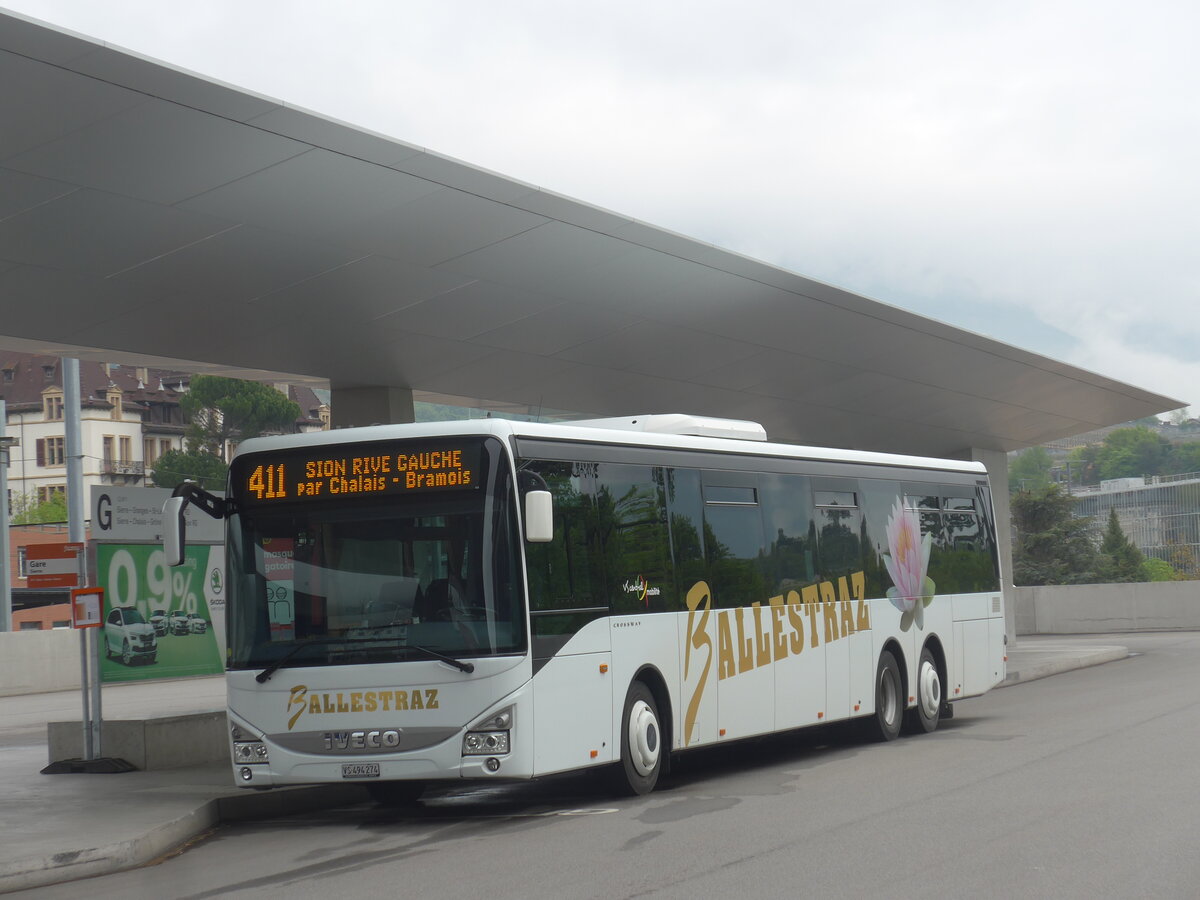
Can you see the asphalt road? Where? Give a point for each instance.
(1085, 784)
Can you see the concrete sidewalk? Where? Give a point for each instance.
(63, 827)
(1039, 656)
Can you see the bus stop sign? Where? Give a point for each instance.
(53, 565)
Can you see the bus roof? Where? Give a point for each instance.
(601, 432)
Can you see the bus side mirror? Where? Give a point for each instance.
(539, 517)
(174, 533)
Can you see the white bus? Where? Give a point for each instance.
(489, 599)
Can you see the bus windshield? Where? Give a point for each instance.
(324, 576)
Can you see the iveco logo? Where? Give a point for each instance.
(362, 740)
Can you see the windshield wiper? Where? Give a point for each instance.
(449, 660)
(270, 670)
(433, 654)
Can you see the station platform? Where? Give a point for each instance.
(65, 827)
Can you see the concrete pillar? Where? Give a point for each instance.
(997, 466)
(372, 405)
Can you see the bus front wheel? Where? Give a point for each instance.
(641, 742)
(889, 705)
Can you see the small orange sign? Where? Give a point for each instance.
(87, 607)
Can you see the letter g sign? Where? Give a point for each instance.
(104, 512)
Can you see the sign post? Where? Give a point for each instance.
(61, 565)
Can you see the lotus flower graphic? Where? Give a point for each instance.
(907, 561)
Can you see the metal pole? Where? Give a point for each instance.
(5, 545)
(76, 534)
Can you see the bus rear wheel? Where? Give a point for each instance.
(889, 706)
(641, 742)
(924, 717)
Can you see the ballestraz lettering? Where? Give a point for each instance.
(767, 634)
(300, 701)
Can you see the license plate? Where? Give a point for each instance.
(360, 770)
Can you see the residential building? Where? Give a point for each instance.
(130, 416)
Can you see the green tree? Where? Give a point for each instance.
(176, 466)
(1155, 569)
(1130, 452)
(25, 509)
(226, 409)
(1030, 469)
(1185, 458)
(1120, 561)
(1182, 559)
(1051, 545)
(1084, 467)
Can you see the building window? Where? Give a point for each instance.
(51, 451)
(126, 444)
(108, 449)
(114, 397)
(22, 568)
(148, 451)
(49, 492)
(8, 375)
(31, 626)
(164, 447)
(52, 405)
(48, 372)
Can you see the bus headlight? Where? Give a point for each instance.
(485, 743)
(248, 752)
(489, 736)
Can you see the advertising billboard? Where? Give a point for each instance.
(158, 620)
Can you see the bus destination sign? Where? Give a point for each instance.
(365, 470)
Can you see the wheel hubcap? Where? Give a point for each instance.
(643, 738)
(888, 703)
(930, 689)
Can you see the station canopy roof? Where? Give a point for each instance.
(152, 216)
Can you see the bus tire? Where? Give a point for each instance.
(889, 702)
(641, 742)
(923, 718)
(396, 793)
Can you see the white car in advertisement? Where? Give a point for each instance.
(128, 635)
(196, 625)
(177, 622)
(158, 619)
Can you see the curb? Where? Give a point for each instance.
(138, 851)
(1035, 670)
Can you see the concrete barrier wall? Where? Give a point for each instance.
(150, 744)
(1104, 608)
(34, 662)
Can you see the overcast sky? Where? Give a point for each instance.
(1027, 170)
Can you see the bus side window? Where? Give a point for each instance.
(566, 584)
(733, 539)
(632, 521)
(839, 527)
(790, 531)
(685, 521)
